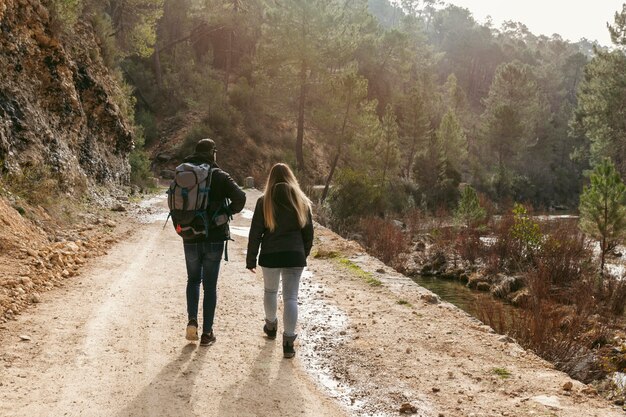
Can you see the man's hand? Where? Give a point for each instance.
(253, 270)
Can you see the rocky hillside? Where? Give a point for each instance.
(58, 107)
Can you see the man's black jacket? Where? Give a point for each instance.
(222, 187)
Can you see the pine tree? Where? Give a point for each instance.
(602, 210)
(134, 22)
(414, 124)
(451, 142)
(513, 110)
(469, 211)
(342, 116)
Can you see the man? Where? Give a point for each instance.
(203, 255)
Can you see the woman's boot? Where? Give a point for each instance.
(288, 350)
(270, 328)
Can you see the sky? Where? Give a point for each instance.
(572, 19)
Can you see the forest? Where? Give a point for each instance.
(406, 100)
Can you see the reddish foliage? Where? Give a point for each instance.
(384, 239)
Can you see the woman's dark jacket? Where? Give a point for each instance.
(222, 187)
(287, 246)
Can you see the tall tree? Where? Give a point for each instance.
(414, 120)
(297, 43)
(602, 211)
(452, 142)
(601, 113)
(389, 143)
(513, 110)
(342, 116)
(135, 22)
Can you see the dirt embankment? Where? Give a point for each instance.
(371, 343)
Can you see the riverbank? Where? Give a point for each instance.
(371, 342)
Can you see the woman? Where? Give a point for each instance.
(283, 227)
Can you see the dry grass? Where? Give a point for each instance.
(383, 239)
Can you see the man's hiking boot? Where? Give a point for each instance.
(192, 330)
(270, 328)
(207, 339)
(288, 350)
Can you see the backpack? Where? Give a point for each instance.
(188, 201)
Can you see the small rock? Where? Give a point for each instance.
(119, 208)
(430, 298)
(342, 333)
(380, 271)
(24, 337)
(568, 386)
(435, 389)
(111, 223)
(34, 298)
(407, 408)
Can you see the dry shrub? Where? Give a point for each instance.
(564, 256)
(556, 333)
(417, 221)
(499, 255)
(469, 246)
(384, 239)
(615, 295)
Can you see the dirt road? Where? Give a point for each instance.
(111, 343)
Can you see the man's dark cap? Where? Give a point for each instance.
(205, 146)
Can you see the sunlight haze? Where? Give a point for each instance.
(571, 20)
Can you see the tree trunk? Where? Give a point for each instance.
(229, 57)
(301, 107)
(339, 147)
(158, 73)
(331, 173)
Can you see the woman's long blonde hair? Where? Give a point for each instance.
(280, 173)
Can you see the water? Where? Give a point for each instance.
(455, 292)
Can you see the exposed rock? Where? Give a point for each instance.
(520, 298)
(506, 285)
(163, 157)
(167, 174)
(548, 401)
(430, 298)
(407, 408)
(568, 386)
(58, 104)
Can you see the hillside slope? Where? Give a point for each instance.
(59, 106)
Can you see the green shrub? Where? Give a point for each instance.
(148, 122)
(354, 196)
(197, 132)
(36, 184)
(140, 173)
(65, 13)
(103, 27)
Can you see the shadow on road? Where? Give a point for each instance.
(169, 393)
(269, 388)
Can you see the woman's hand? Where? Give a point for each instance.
(253, 270)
